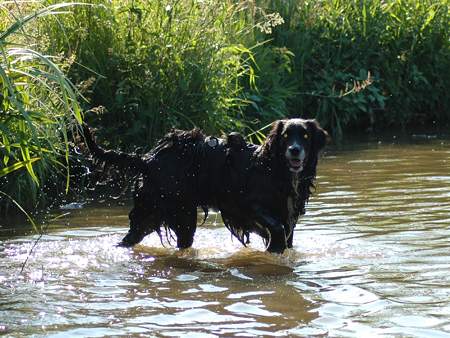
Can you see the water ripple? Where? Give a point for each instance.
(371, 258)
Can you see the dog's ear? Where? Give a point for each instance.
(272, 144)
(319, 136)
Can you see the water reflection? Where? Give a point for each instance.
(371, 258)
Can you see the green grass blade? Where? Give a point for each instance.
(17, 166)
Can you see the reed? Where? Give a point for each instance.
(148, 66)
(402, 44)
(38, 106)
(220, 65)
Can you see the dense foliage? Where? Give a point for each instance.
(223, 65)
(146, 66)
(401, 48)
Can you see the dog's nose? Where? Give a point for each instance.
(294, 150)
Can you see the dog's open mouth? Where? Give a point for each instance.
(295, 165)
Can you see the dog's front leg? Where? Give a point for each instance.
(277, 231)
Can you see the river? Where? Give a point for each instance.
(371, 258)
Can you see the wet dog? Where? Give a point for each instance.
(257, 189)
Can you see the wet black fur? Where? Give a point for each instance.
(250, 185)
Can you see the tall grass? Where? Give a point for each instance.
(146, 66)
(402, 44)
(151, 65)
(220, 65)
(37, 105)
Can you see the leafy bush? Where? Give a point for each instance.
(402, 44)
(224, 65)
(150, 66)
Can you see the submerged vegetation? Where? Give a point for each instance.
(141, 67)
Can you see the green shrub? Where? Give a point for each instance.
(403, 44)
(151, 66)
(224, 65)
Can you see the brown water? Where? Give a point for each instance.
(371, 259)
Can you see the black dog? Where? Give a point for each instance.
(258, 189)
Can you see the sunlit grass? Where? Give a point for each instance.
(38, 106)
(403, 44)
(224, 65)
(147, 66)
(153, 65)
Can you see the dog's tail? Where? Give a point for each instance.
(117, 158)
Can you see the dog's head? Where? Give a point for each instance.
(295, 142)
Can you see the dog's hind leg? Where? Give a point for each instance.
(184, 225)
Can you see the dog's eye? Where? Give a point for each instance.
(305, 136)
(285, 135)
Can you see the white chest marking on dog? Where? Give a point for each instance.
(294, 183)
(291, 203)
(291, 209)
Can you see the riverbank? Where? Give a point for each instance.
(238, 66)
(140, 68)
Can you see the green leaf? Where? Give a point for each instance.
(17, 166)
(19, 23)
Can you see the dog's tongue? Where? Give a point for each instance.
(295, 163)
